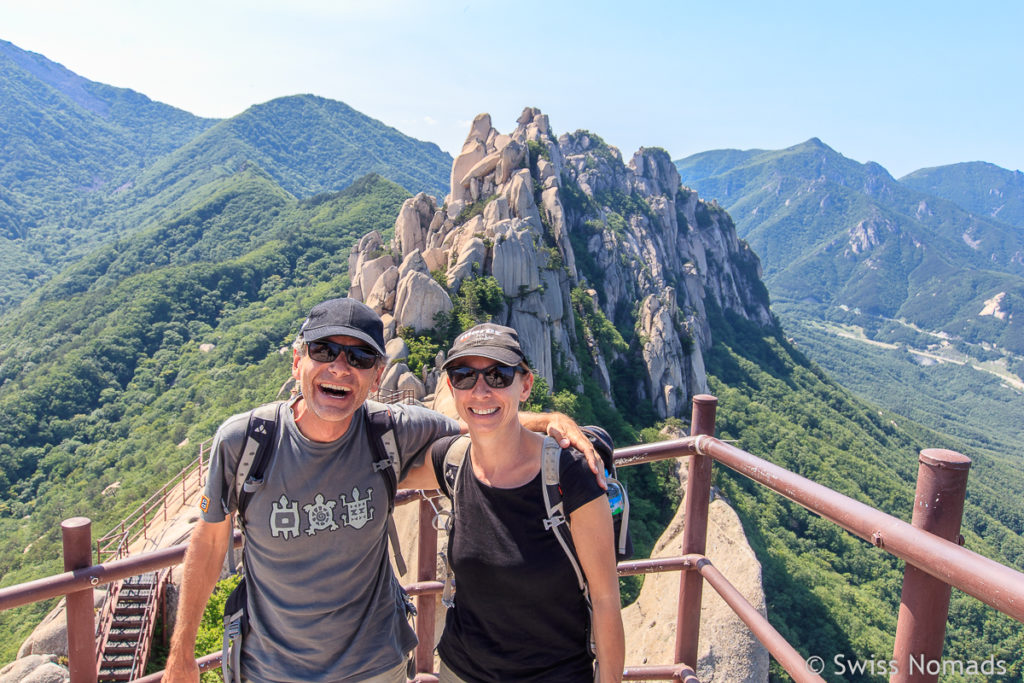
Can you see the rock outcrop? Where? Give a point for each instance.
(555, 223)
(727, 651)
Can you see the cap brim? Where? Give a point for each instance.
(503, 356)
(331, 331)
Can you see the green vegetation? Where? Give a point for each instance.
(979, 187)
(836, 232)
(84, 164)
(829, 592)
(104, 374)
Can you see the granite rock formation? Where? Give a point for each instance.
(602, 265)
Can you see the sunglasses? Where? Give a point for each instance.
(497, 376)
(359, 357)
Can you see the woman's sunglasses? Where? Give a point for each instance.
(359, 357)
(497, 376)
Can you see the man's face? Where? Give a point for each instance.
(331, 392)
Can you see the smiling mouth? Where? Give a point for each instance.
(483, 411)
(335, 390)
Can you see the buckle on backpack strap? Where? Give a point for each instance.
(554, 520)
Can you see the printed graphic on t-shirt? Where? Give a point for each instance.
(321, 514)
(284, 518)
(359, 512)
(286, 521)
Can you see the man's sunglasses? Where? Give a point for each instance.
(359, 357)
(497, 376)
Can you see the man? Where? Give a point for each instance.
(323, 602)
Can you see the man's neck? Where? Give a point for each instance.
(316, 429)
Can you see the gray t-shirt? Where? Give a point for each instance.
(324, 604)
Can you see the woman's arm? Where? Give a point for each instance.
(593, 536)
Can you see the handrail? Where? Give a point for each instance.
(995, 584)
(141, 516)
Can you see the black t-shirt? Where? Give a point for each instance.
(519, 614)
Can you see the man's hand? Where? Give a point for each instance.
(566, 432)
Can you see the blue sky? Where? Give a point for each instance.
(906, 84)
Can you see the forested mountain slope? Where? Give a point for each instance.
(84, 163)
(977, 186)
(68, 145)
(908, 292)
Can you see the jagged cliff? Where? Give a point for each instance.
(574, 237)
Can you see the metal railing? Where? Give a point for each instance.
(929, 544)
(115, 543)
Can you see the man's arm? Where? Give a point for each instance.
(203, 561)
(558, 426)
(566, 432)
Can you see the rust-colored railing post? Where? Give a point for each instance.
(76, 534)
(426, 604)
(924, 606)
(695, 529)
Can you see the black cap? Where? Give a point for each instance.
(346, 317)
(488, 340)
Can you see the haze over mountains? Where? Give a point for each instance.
(190, 263)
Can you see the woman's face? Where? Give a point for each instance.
(484, 407)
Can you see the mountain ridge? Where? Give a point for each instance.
(86, 163)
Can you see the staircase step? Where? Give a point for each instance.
(114, 676)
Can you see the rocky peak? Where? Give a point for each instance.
(603, 267)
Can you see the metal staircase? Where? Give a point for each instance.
(126, 629)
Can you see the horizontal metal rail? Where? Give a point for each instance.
(993, 583)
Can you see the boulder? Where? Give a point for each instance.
(407, 381)
(511, 158)
(412, 223)
(413, 261)
(390, 379)
(470, 259)
(419, 299)
(50, 637)
(728, 652)
(397, 350)
(472, 153)
(519, 192)
(35, 669)
(382, 296)
(515, 264)
(481, 168)
(435, 257)
(367, 273)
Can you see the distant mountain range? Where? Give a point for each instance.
(83, 163)
(909, 292)
(835, 232)
(979, 187)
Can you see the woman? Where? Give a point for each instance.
(519, 613)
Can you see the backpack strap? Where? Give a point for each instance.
(380, 425)
(260, 436)
(453, 461)
(556, 521)
(454, 458)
